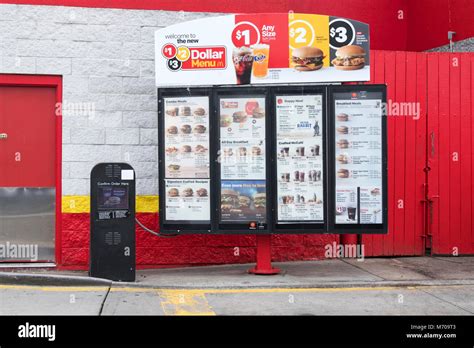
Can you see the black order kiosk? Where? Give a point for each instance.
(112, 234)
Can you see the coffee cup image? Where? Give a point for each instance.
(351, 212)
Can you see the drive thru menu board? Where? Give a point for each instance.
(358, 157)
(299, 156)
(186, 144)
(242, 159)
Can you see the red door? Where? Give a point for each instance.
(27, 172)
(450, 147)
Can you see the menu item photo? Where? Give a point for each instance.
(350, 57)
(307, 58)
(243, 201)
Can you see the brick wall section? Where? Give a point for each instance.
(106, 58)
(188, 250)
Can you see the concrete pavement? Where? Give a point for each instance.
(411, 286)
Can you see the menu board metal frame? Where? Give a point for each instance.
(358, 227)
(290, 227)
(182, 226)
(272, 225)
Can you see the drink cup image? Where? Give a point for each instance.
(351, 213)
(300, 151)
(243, 61)
(261, 54)
(315, 150)
(302, 176)
(297, 175)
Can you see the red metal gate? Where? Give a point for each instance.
(450, 146)
(430, 156)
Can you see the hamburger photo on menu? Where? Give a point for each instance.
(307, 58)
(350, 57)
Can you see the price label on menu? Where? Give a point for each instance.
(358, 161)
(245, 34)
(300, 148)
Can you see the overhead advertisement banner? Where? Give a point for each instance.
(261, 49)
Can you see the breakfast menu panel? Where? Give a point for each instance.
(186, 143)
(299, 156)
(242, 159)
(358, 158)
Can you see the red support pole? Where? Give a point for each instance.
(264, 257)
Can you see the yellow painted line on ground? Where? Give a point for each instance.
(132, 289)
(220, 291)
(81, 204)
(188, 302)
(55, 288)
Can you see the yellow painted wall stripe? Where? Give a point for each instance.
(81, 204)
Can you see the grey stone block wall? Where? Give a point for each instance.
(466, 45)
(106, 58)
